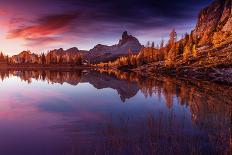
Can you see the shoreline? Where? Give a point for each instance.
(43, 67)
(213, 74)
(217, 67)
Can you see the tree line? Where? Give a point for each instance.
(52, 57)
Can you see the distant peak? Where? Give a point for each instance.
(126, 38)
(124, 34)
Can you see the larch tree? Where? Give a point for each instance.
(152, 50)
(187, 52)
(172, 38)
(171, 49)
(194, 51)
(43, 59)
(2, 57)
(161, 44)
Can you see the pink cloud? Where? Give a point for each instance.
(44, 27)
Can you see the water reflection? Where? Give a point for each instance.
(159, 116)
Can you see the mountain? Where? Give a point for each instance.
(106, 53)
(70, 51)
(205, 54)
(25, 57)
(103, 53)
(60, 55)
(100, 53)
(214, 24)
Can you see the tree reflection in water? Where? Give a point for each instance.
(210, 105)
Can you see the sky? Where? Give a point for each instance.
(42, 25)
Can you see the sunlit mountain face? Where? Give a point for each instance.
(41, 25)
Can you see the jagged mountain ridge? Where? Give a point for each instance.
(101, 53)
(98, 53)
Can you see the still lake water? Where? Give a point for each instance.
(88, 112)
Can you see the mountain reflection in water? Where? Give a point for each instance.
(163, 115)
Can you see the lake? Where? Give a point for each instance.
(111, 113)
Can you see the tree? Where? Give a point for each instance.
(172, 56)
(191, 39)
(133, 61)
(162, 44)
(43, 59)
(187, 52)
(7, 59)
(180, 49)
(78, 60)
(186, 39)
(2, 59)
(48, 58)
(152, 50)
(148, 44)
(172, 38)
(194, 51)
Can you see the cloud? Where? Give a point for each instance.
(42, 41)
(2, 12)
(45, 26)
(126, 10)
(89, 22)
(134, 15)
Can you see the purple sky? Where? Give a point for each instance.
(41, 25)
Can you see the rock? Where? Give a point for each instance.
(72, 50)
(214, 23)
(127, 38)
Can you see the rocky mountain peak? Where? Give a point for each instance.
(125, 35)
(107, 53)
(24, 53)
(72, 50)
(214, 22)
(127, 38)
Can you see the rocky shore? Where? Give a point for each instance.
(211, 64)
